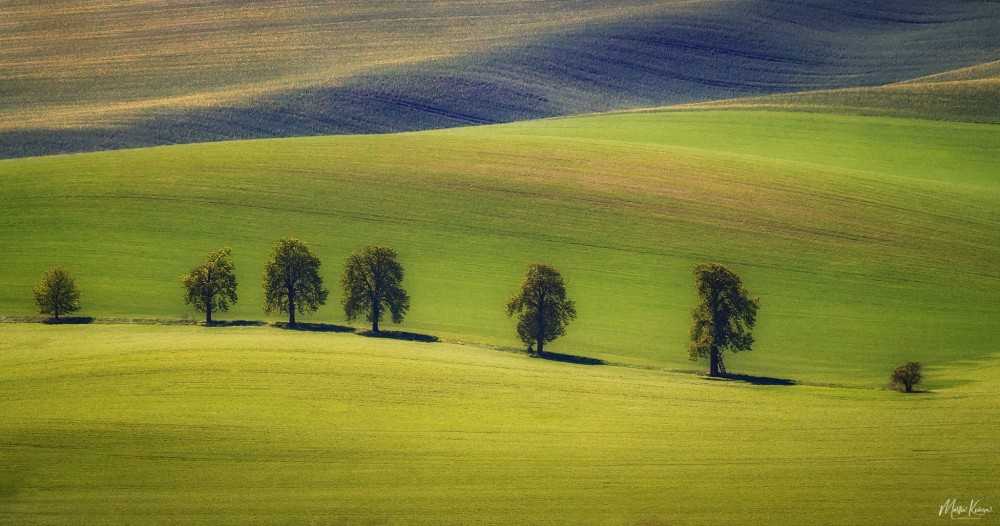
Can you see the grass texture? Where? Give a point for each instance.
(114, 425)
(871, 241)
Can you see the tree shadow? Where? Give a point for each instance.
(915, 392)
(313, 327)
(401, 335)
(235, 323)
(570, 358)
(755, 380)
(69, 320)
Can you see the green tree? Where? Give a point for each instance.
(56, 292)
(907, 376)
(723, 318)
(291, 279)
(212, 285)
(542, 307)
(372, 285)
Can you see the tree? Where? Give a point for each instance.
(372, 285)
(723, 318)
(56, 292)
(212, 285)
(907, 376)
(541, 305)
(291, 279)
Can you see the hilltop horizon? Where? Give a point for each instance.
(143, 74)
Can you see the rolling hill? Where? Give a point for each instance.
(90, 79)
(840, 156)
(132, 424)
(870, 240)
(968, 94)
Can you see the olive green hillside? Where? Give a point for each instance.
(871, 241)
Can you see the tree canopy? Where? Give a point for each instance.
(56, 292)
(723, 318)
(212, 285)
(372, 284)
(542, 307)
(291, 279)
(907, 376)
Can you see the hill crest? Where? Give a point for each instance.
(514, 62)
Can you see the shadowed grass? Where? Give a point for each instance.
(569, 358)
(754, 380)
(234, 323)
(401, 335)
(68, 320)
(313, 327)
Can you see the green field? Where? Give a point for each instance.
(254, 425)
(870, 240)
(841, 157)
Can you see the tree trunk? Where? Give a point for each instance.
(376, 314)
(291, 308)
(208, 299)
(540, 322)
(714, 360)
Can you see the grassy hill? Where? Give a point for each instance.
(967, 94)
(852, 182)
(870, 240)
(134, 424)
(190, 72)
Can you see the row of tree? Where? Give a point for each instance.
(372, 283)
(372, 286)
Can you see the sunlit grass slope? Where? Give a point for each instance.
(870, 240)
(112, 425)
(129, 74)
(968, 94)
